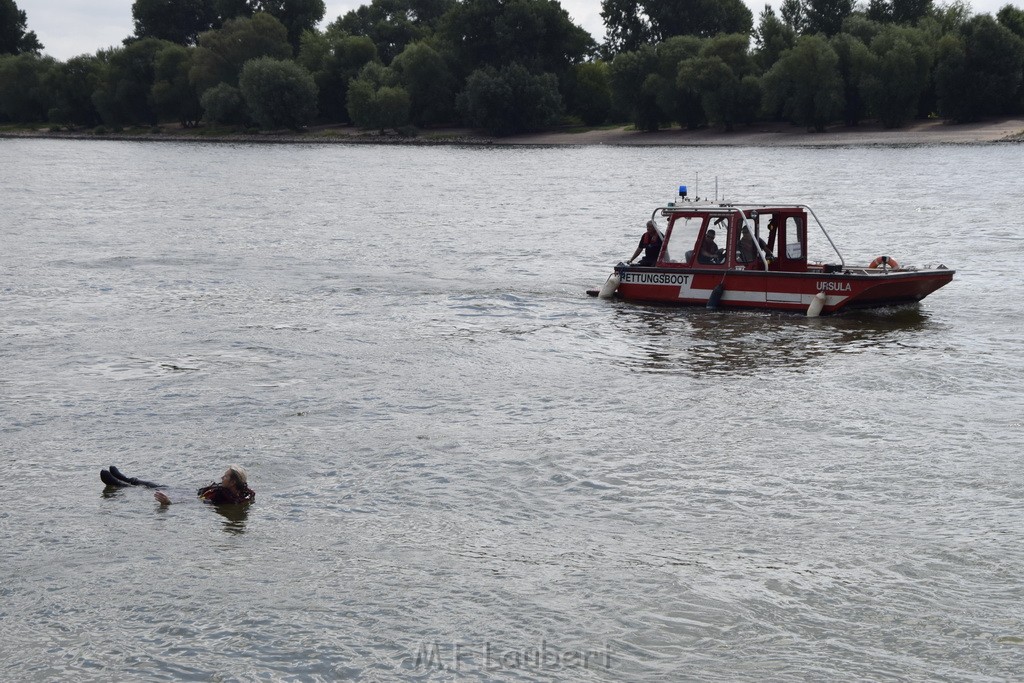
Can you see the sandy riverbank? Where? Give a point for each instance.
(931, 132)
(769, 135)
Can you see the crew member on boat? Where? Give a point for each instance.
(708, 248)
(746, 248)
(650, 244)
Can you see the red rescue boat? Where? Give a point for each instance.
(755, 256)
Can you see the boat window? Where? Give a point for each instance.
(679, 248)
(712, 248)
(794, 238)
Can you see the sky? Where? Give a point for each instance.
(68, 28)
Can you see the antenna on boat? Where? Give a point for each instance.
(716, 190)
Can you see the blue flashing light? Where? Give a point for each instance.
(682, 190)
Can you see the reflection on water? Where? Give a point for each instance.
(111, 492)
(745, 343)
(234, 517)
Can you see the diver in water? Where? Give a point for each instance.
(233, 488)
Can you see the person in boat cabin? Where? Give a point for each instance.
(232, 489)
(708, 248)
(745, 246)
(650, 244)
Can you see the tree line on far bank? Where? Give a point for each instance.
(512, 66)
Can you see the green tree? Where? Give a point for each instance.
(297, 16)
(826, 16)
(862, 28)
(854, 61)
(910, 11)
(749, 100)
(25, 93)
(393, 24)
(951, 16)
(771, 38)
(428, 81)
(173, 95)
(73, 83)
(716, 86)
(632, 23)
(15, 38)
(898, 74)
(804, 86)
(1012, 18)
(667, 100)
(232, 9)
(278, 93)
(632, 91)
(978, 71)
(511, 100)
(222, 52)
(376, 99)
(953, 81)
(729, 92)
(223, 104)
(721, 77)
(335, 59)
(676, 103)
(536, 34)
(734, 51)
(627, 26)
(590, 93)
(793, 15)
(898, 11)
(179, 21)
(124, 97)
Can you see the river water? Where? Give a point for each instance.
(467, 469)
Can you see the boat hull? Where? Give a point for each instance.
(779, 291)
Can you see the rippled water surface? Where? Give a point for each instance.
(465, 467)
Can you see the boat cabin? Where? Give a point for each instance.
(731, 238)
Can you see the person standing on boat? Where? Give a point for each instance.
(650, 244)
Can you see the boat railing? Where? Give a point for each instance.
(842, 261)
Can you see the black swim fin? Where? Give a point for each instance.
(117, 475)
(110, 480)
(131, 481)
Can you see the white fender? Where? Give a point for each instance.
(817, 303)
(609, 286)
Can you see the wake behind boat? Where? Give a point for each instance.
(755, 256)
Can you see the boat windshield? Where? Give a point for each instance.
(684, 236)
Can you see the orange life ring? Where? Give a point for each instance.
(885, 261)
